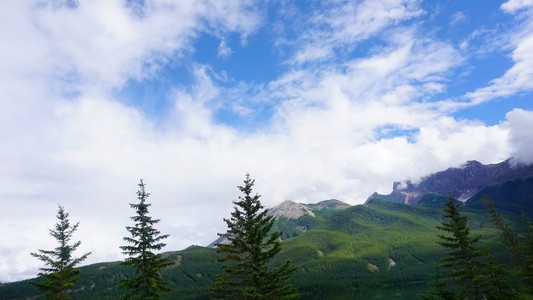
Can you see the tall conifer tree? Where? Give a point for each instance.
(463, 258)
(509, 237)
(521, 250)
(60, 274)
(142, 243)
(526, 250)
(471, 272)
(246, 254)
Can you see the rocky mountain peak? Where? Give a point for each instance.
(291, 210)
(461, 182)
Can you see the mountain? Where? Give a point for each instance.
(379, 250)
(294, 218)
(329, 205)
(291, 210)
(469, 181)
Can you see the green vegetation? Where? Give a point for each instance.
(510, 196)
(380, 250)
(246, 255)
(520, 249)
(467, 271)
(525, 248)
(60, 275)
(144, 240)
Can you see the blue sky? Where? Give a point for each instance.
(474, 28)
(316, 100)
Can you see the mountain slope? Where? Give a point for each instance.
(470, 181)
(377, 250)
(382, 249)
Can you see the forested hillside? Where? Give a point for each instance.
(380, 249)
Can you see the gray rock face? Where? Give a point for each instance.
(290, 209)
(462, 183)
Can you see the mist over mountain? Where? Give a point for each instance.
(463, 183)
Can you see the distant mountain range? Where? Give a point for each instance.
(383, 249)
(467, 183)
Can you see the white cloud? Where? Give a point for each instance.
(458, 18)
(515, 5)
(103, 43)
(224, 51)
(520, 124)
(342, 27)
(518, 78)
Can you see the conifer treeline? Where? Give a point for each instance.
(466, 271)
(246, 255)
(470, 272)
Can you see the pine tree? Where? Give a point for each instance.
(525, 249)
(246, 255)
(509, 237)
(465, 263)
(521, 250)
(498, 285)
(144, 240)
(60, 275)
(440, 289)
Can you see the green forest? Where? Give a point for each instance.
(372, 251)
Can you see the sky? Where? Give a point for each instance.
(315, 99)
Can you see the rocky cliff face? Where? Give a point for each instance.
(462, 183)
(291, 210)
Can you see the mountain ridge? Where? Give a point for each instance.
(378, 250)
(463, 182)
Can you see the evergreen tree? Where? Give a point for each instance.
(473, 273)
(498, 285)
(144, 240)
(440, 289)
(525, 249)
(521, 250)
(246, 255)
(509, 237)
(60, 274)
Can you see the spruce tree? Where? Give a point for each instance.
(509, 237)
(521, 250)
(440, 290)
(498, 285)
(250, 246)
(60, 274)
(144, 240)
(525, 249)
(471, 271)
